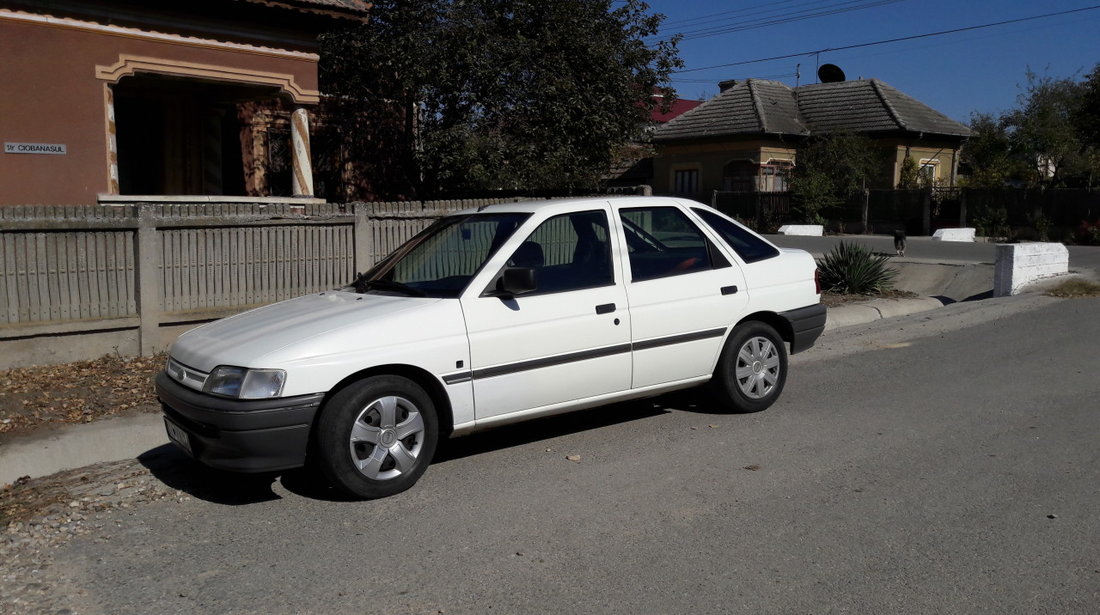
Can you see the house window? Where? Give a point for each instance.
(186, 136)
(928, 172)
(773, 176)
(686, 182)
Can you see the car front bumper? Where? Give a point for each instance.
(254, 435)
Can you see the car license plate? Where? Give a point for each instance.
(178, 435)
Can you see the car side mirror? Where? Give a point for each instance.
(516, 281)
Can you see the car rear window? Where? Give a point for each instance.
(748, 246)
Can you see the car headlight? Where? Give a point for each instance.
(244, 383)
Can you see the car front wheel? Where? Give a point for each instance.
(376, 437)
(752, 369)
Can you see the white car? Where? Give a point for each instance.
(491, 316)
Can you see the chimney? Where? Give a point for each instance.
(725, 85)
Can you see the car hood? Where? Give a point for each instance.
(290, 330)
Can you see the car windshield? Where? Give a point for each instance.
(441, 260)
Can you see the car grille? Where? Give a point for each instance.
(188, 377)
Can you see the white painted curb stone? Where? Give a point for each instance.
(954, 234)
(807, 230)
(1019, 264)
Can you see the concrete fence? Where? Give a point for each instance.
(77, 282)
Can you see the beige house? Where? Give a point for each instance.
(104, 101)
(746, 138)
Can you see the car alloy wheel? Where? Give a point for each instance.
(387, 438)
(757, 368)
(376, 437)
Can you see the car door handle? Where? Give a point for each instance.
(729, 290)
(606, 308)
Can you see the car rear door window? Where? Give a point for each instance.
(662, 241)
(748, 246)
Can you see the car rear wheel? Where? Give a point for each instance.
(752, 369)
(376, 437)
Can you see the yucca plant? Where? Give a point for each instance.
(852, 268)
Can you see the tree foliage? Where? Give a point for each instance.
(1086, 114)
(1042, 127)
(459, 96)
(908, 174)
(1051, 139)
(831, 168)
(989, 153)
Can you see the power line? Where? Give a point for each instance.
(892, 40)
(776, 76)
(787, 17)
(767, 6)
(741, 15)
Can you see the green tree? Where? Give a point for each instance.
(1086, 115)
(497, 94)
(830, 169)
(988, 153)
(909, 177)
(1042, 130)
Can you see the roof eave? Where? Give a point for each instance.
(327, 10)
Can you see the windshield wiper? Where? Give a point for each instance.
(362, 286)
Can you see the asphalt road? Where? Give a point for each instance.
(944, 464)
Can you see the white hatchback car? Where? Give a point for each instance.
(490, 316)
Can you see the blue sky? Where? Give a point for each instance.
(977, 70)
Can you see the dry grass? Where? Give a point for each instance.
(831, 299)
(1075, 288)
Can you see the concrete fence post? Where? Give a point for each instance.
(926, 218)
(361, 237)
(865, 214)
(962, 208)
(149, 284)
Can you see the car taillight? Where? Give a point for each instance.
(817, 280)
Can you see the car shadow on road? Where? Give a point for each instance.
(546, 428)
(178, 471)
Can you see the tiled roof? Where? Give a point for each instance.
(680, 106)
(758, 107)
(871, 106)
(755, 106)
(776, 108)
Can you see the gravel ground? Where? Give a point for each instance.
(42, 514)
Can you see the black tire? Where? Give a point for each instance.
(376, 437)
(756, 352)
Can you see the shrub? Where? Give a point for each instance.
(1088, 233)
(993, 223)
(852, 268)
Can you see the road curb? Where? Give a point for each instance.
(65, 447)
(877, 309)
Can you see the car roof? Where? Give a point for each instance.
(570, 204)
